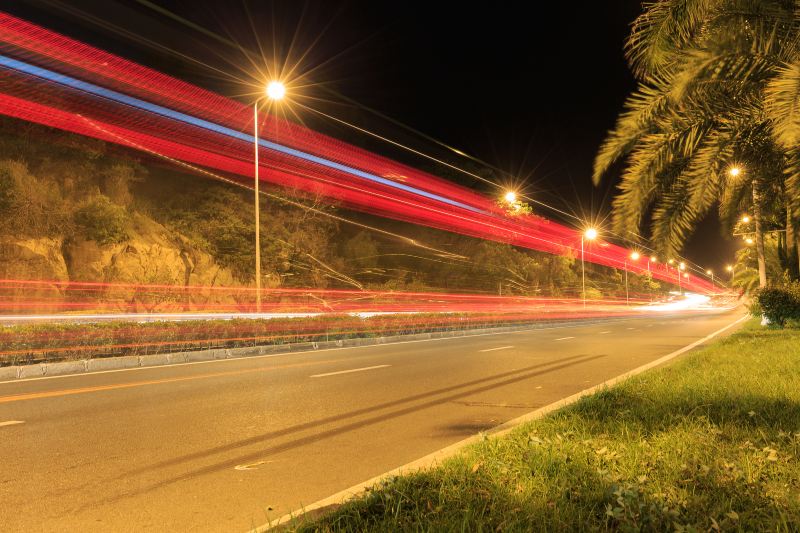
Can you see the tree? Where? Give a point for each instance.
(715, 90)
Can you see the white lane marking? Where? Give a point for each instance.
(565, 338)
(348, 371)
(630, 328)
(603, 332)
(497, 431)
(11, 423)
(494, 349)
(250, 466)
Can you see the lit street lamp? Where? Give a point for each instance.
(275, 90)
(759, 240)
(711, 273)
(634, 257)
(510, 197)
(589, 234)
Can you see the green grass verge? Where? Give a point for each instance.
(710, 442)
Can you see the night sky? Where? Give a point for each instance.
(527, 89)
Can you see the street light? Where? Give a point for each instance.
(589, 234)
(732, 270)
(734, 171)
(710, 272)
(749, 241)
(510, 197)
(274, 90)
(634, 257)
(746, 219)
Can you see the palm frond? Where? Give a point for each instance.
(782, 97)
(661, 31)
(642, 109)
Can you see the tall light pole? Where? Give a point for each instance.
(732, 270)
(681, 268)
(634, 257)
(711, 273)
(590, 234)
(762, 263)
(275, 90)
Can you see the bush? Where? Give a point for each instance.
(102, 220)
(779, 304)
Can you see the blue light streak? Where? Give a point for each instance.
(165, 112)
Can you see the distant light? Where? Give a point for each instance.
(748, 240)
(276, 90)
(735, 171)
(635, 256)
(709, 272)
(510, 197)
(729, 268)
(591, 234)
(682, 266)
(686, 276)
(671, 261)
(745, 219)
(653, 259)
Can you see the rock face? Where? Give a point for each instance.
(152, 255)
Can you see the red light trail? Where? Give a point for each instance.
(54, 80)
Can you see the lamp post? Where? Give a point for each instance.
(711, 273)
(732, 270)
(759, 241)
(634, 257)
(590, 234)
(681, 267)
(275, 90)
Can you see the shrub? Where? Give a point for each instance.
(102, 220)
(779, 304)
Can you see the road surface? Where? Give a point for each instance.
(227, 445)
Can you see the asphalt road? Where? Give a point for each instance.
(227, 445)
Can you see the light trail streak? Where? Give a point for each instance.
(189, 124)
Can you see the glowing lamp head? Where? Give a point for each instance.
(709, 272)
(745, 219)
(729, 268)
(748, 240)
(276, 90)
(635, 256)
(590, 234)
(510, 197)
(653, 259)
(682, 266)
(686, 276)
(671, 261)
(734, 171)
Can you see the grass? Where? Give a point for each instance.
(708, 443)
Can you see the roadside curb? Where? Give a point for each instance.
(85, 366)
(435, 458)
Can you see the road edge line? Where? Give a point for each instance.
(433, 458)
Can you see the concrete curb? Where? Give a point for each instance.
(82, 366)
(435, 458)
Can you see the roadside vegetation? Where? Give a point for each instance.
(78, 209)
(708, 443)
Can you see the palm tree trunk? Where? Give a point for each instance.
(762, 263)
(791, 238)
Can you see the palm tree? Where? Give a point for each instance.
(713, 76)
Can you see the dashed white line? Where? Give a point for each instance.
(603, 332)
(565, 338)
(495, 349)
(348, 371)
(630, 328)
(11, 423)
